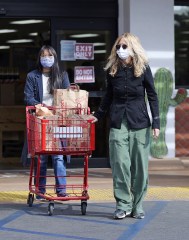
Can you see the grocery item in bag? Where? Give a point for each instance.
(42, 111)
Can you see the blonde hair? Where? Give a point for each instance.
(139, 57)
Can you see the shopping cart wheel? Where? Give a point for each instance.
(50, 209)
(83, 207)
(30, 199)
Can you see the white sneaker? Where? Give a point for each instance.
(120, 214)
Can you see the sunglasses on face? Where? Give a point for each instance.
(124, 46)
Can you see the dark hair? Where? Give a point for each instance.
(55, 79)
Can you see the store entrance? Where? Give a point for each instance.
(20, 41)
(102, 36)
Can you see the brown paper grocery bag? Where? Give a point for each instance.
(72, 97)
(42, 111)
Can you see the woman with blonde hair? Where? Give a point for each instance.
(129, 79)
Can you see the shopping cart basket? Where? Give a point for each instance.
(67, 132)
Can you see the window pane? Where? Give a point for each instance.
(102, 47)
(181, 46)
(20, 41)
(101, 41)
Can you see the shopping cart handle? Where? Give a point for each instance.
(30, 109)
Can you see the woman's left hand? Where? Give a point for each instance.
(155, 133)
(93, 118)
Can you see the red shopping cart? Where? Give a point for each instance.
(67, 132)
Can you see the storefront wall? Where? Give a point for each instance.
(153, 22)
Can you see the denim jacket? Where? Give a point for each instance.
(33, 91)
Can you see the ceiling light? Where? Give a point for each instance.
(184, 41)
(19, 41)
(185, 32)
(4, 47)
(185, 20)
(7, 30)
(97, 44)
(182, 55)
(33, 34)
(99, 51)
(29, 21)
(183, 49)
(85, 35)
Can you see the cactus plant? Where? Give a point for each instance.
(164, 87)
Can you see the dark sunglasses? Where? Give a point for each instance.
(124, 46)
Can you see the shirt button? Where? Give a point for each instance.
(125, 86)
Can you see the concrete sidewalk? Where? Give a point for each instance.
(166, 206)
(168, 180)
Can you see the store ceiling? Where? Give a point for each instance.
(39, 30)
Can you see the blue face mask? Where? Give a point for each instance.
(47, 62)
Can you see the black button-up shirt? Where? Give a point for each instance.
(125, 96)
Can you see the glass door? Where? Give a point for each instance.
(101, 35)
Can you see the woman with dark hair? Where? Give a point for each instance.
(39, 87)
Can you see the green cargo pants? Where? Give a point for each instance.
(129, 154)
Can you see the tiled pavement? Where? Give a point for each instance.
(166, 206)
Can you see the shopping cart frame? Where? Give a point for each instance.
(35, 151)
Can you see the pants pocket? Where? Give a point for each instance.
(143, 136)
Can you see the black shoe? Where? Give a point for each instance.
(62, 194)
(138, 215)
(120, 214)
(39, 198)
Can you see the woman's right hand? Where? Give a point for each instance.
(38, 105)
